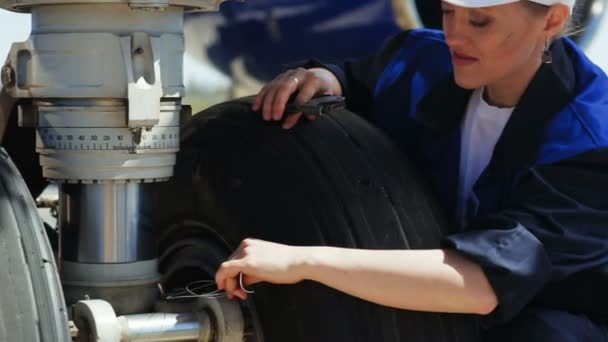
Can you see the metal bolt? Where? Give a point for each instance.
(8, 76)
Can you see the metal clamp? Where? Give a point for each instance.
(317, 106)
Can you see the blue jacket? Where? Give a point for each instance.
(538, 218)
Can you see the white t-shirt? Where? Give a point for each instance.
(482, 126)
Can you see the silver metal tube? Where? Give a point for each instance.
(161, 327)
(101, 223)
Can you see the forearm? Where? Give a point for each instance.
(423, 280)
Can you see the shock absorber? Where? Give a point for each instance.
(101, 81)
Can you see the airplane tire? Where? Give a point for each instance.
(31, 301)
(336, 181)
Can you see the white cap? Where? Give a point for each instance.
(487, 3)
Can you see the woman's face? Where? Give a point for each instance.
(492, 45)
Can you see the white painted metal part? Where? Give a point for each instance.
(104, 84)
(96, 139)
(99, 317)
(26, 5)
(102, 325)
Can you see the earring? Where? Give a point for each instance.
(547, 56)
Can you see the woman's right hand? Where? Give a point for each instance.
(308, 83)
(261, 261)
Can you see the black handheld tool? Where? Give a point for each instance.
(317, 106)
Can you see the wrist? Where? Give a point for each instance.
(332, 82)
(307, 262)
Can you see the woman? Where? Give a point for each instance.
(508, 120)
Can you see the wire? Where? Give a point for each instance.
(195, 290)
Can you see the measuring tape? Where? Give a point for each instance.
(107, 139)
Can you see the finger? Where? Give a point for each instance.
(232, 270)
(259, 98)
(271, 92)
(227, 270)
(288, 86)
(220, 278)
(269, 100)
(291, 120)
(240, 294)
(231, 286)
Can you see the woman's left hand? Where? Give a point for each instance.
(260, 261)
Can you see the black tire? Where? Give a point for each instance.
(31, 301)
(336, 181)
(20, 144)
